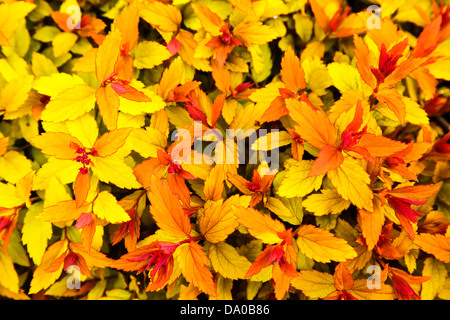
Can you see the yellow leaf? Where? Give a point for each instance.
(247, 117)
(42, 66)
(53, 84)
(272, 141)
(352, 183)
(261, 226)
(14, 94)
(63, 42)
(114, 170)
(192, 261)
(8, 275)
(13, 166)
(438, 273)
(106, 207)
(345, 77)
(445, 291)
(147, 142)
(415, 114)
(8, 196)
(70, 104)
(296, 182)
(227, 261)
(322, 246)
(11, 15)
(163, 16)
(326, 202)
(149, 54)
(314, 284)
(36, 233)
(278, 207)
(313, 49)
(64, 170)
(138, 108)
(84, 129)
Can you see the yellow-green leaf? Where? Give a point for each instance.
(106, 207)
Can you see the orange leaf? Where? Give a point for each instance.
(379, 146)
(134, 95)
(62, 211)
(166, 210)
(217, 107)
(402, 70)
(329, 158)
(127, 23)
(3, 40)
(314, 126)
(214, 187)
(393, 99)
(320, 15)
(292, 73)
(343, 279)
(435, 244)
(92, 257)
(81, 188)
(193, 260)
(171, 78)
(222, 76)
(253, 33)
(3, 145)
(276, 110)
(282, 281)
(415, 192)
(111, 141)
(371, 223)
(364, 60)
(108, 104)
(61, 19)
(426, 81)
(428, 39)
(209, 20)
(146, 169)
(107, 55)
(178, 187)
